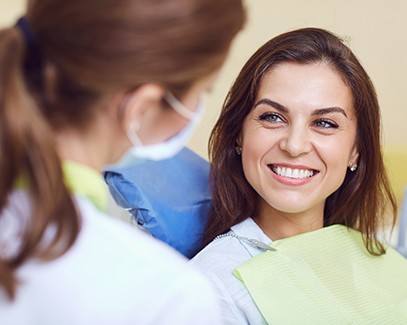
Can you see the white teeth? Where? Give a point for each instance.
(293, 173)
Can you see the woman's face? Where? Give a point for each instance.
(299, 138)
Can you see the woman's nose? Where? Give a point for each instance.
(296, 141)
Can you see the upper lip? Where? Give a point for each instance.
(292, 166)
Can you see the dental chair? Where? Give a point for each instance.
(401, 242)
(395, 158)
(170, 199)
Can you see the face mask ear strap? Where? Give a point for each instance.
(132, 134)
(178, 106)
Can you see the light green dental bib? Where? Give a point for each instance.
(327, 277)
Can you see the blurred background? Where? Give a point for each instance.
(374, 29)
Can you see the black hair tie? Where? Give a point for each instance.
(33, 58)
(29, 37)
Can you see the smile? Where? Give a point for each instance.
(293, 172)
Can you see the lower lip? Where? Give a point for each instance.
(291, 181)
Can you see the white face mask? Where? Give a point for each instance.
(171, 146)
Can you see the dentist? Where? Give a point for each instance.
(82, 82)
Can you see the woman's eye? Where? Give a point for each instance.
(325, 124)
(271, 118)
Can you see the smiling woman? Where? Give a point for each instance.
(297, 167)
(302, 114)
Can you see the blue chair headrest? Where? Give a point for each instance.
(169, 198)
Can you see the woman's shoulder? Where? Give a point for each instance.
(231, 249)
(218, 261)
(225, 250)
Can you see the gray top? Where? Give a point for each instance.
(218, 260)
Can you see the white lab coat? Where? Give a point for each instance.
(114, 274)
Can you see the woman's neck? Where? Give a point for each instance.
(278, 225)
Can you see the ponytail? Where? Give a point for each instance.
(27, 151)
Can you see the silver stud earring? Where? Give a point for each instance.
(238, 150)
(353, 167)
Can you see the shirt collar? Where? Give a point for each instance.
(249, 229)
(85, 181)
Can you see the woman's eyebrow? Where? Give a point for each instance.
(327, 110)
(283, 109)
(274, 104)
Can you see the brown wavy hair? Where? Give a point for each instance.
(365, 196)
(84, 50)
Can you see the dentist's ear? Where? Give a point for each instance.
(135, 103)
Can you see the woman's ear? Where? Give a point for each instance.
(238, 141)
(354, 156)
(238, 145)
